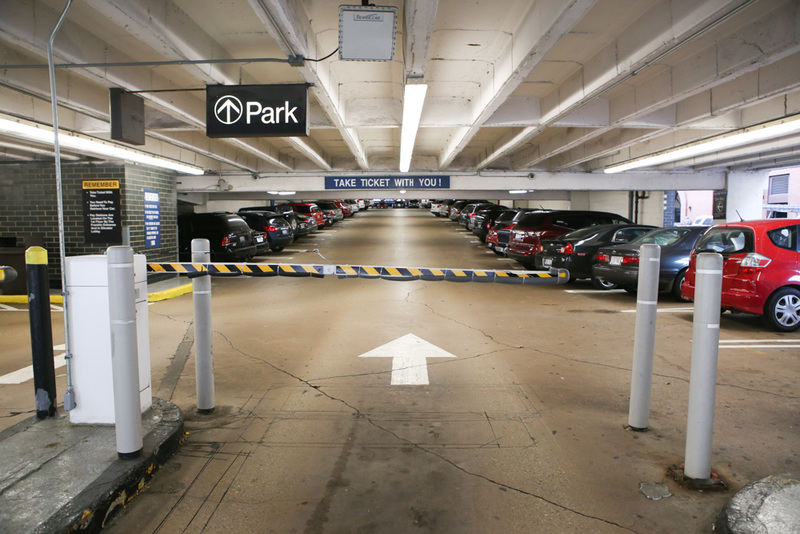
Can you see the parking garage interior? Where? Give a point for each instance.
(666, 113)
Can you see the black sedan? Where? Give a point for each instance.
(576, 250)
(484, 218)
(619, 264)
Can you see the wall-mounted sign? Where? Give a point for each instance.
(152, 219)
(387, 182)
(257, 110)
(102, 219)
(720, 204)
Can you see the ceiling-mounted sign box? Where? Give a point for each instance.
(367, 33)
(257, 110)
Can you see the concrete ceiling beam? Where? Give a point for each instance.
(651, 39)
(544, 24)
(23, 25)
(290, 30)
(420, 16)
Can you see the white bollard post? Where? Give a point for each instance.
(203, 353)
(644, 336)
(124, 352)
(703, 377)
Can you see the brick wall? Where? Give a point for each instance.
(28, 206)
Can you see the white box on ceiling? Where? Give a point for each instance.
(366, 33)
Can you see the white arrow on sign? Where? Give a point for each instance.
(409, 356)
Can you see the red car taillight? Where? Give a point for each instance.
(270, 228)
(567, 249)
(630, 259)
(540, 248)
(753, 262)
(228, 240)
(602, 257)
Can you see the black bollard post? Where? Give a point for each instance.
(44, 372)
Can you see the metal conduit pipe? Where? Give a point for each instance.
(69, 395)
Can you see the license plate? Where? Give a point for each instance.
(259, 239)
(285, 231)
(616, 260)
(547, 262)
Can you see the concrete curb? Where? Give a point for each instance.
(93, 507)
(91, 500)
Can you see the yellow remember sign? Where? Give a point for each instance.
(101, 184)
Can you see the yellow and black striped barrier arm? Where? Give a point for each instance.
(555, 276)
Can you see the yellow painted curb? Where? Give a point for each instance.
(23, 299)
(157, 296)
(59, 299)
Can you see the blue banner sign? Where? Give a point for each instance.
(387, 182)
(152, 219)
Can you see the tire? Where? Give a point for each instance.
(782, 310)
(276, 249)
(600, 283)
(676, 286)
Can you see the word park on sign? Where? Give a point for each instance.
(257, 110)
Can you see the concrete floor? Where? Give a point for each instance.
(522, 431)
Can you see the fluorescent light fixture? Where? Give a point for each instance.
(282, 193)
(741, 137)
(94, 147)
(413, 100)
(403, 191)
(519, 191)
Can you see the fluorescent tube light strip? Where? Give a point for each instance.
(99, 148)
(747, 136)
(413, 100)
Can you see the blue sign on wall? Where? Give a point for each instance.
(152, 219)
(387, 182)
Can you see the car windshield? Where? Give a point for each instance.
(662, 236)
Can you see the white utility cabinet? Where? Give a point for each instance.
(90, 337)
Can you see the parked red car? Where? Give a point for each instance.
(531, 229)
(761, 269)
(310, 209)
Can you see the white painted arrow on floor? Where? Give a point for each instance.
(409, 356)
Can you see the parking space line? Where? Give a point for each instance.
(7, 307)
(664, 310)
(26, 373)
(594, 291)
(734, 341)
(759, 343)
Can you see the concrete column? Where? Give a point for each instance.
(745, 195)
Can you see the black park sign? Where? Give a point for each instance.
(257, 110)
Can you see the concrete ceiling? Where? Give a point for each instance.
(514, 86)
